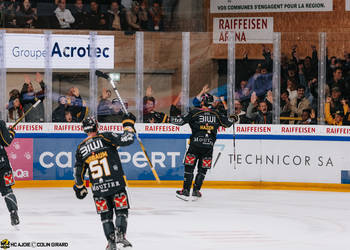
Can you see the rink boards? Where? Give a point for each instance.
(267, 156)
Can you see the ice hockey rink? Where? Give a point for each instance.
(223, 219)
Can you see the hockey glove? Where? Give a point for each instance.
(234, 117)
(81, 193)
(129, 120)
(12, 132)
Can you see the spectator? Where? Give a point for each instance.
(337, 79)
(220, 105)
(79, 13)
(149, 113)
(114, 17)
(76, 105)
(336, 103)
(28, 97)
(46, 14)
(126, 4)
(175, 108)
(143, 11)
(292, 88)
(68, 116)
(285, 106)
(97, 20)
(107, 111)
(308, 117)
(64, 15)
(15, 109)
(242, 117)
(197, 100)
(26, 16)
(155, 19)
(61, 113)
(10, 13)
(300, 103)
(135, 17)
(311, 65)
(338, 115)
(262, 116)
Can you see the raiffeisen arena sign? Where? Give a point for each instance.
(66, 51)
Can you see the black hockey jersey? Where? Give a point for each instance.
(204, 123)
(99, 156)
(6, 137)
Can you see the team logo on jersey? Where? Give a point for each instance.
(101, 205)
(207, 119)
(8, 177)
(206, 163)
(5, 244)
(91, 147)
(121, 201)
(190, 159)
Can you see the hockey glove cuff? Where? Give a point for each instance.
(128, 120)
(81, 193)
(234, 117)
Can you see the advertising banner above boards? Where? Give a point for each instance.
(244, 29)
(258, 6)
(169, 129)
(66, 51)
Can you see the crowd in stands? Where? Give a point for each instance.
(253, 97)
(120, 15)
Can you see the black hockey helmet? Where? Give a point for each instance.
(90, 124)
(207, 99)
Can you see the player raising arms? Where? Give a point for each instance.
(204, 123)
(6, 174)
(98, 155)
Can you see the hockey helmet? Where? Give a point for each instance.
(90, 124)
(207, 99)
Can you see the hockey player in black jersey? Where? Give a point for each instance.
(6, 174)
(204, 123)
(98, 155)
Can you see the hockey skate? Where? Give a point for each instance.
(14, 218)
(196, 195)
(183, 194)
(111, 245)
(122, 242)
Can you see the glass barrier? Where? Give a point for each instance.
(289, 81)
(299, 100)
(162, 74)
(23, 90)
(70, 96)
(254, 90)
(109, 107)
(337, 87)
(207, 74)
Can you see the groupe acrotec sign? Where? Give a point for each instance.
(66, 51)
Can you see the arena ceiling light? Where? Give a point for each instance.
(114, 76)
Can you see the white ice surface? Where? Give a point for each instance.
(223, 219)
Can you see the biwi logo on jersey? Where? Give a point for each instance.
(91, 147)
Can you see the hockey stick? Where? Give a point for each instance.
(234, 146)
(21, 118)
(105, 76)
(217, 158)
